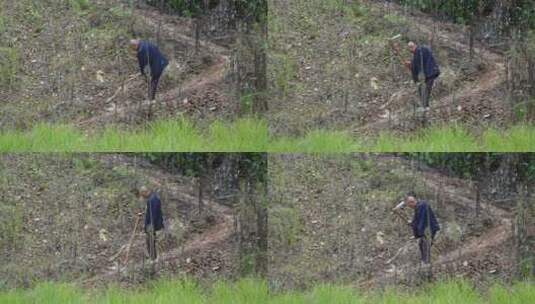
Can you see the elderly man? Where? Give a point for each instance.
(153, 219)
(423, 63)
(148, 55)
(424, 226)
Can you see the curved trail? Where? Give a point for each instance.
(220, 232)
(171, 29)
(212, 236)
(456, 192)
(496, 235)
(489, 79)
(213, 74)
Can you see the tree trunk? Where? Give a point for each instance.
(524, 222)
(262, 234)
(253, 215)
(260, 104)
(478, 198)
(520, 226)
(200, 183)
(245, 230)
(251, 61)
(471, 33)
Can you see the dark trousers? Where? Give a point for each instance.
(151, 243)
(425, 91)
(153, 86)
(425, 250)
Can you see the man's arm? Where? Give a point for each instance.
(142, 58)
(415, 64)
(147, 214)
(419, 225)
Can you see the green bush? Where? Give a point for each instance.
(285, 225)
(183, 7)
(285, 71)
(9, 64)
(517, 13)
(10, 225)
(2, 25)
(80, 5)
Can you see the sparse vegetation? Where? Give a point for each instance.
(80, 5)
(69, 217)
(85, 74)
(9, 58)
(345, 76)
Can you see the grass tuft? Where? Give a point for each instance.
(317, 142)
(516, 139)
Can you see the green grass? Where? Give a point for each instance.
(249, 291)
(251, 135)
(9, 64)
(316, 141)
(435, 139)
(162, 136)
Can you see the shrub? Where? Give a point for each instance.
(9, 64)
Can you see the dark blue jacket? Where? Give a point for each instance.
(423, 60)
(148, 53)
(153, 214)
(424, 217)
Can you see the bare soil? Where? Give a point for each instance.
(344, 230)
(344, 75)
(79, 225)
(474, 100)
(486, 253)
(98, 82)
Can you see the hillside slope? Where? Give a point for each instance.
(73, 65)
(66, 217)
(332, 222)
(334, 68)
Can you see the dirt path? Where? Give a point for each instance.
(219, 232)
(214, 73)
(170, 28)
(489, 79)
(457, 192)
(215, 234)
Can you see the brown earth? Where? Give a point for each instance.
(201, 93)
(90, 78)
(475, 99)
(486, 253)
(345, 230)
(343, 75)
(79, 225)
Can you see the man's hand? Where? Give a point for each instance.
(407, 64)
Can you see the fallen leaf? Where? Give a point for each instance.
(100, 76)
(374, 83)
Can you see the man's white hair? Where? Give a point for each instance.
(143, 189)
